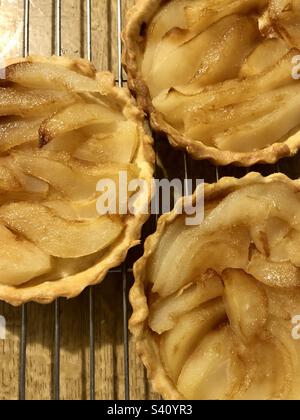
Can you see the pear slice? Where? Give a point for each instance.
(20, 260)
(118, 147)
(74, 117)
(50, 76)
(165, 313)
(246, 304)
(195, 57)
(177, 344)
(15, 132)
(285, 16)
(57, 236)
(213, 371)
(205, 123)
(264, 57)
(33, 103)
(76, 180)
(180, 265)
(171, 102)
(274, 274)
(223, 60)
(267, 372)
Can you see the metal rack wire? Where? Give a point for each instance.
(124, 271)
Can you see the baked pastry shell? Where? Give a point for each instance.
(71, 286)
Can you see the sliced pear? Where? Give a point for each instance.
(165, 313)
(73, 179)
(8, 181)
(15, 132)
(71, 210)
(181, 264)
(285, 16)
(32, 103)
(171, 102)
(50, 76)
(263, 131)
(68, 142)
(266, 372)
(284, 274)
(74, 117)
(225, 57)
(20, 260)
(119, 147)
(204, 13)
(265, 56)
(177, 345)
(246, 304)
(213, 371)
(181, 64)
(205, 123)
(170, 15)
(57, 236)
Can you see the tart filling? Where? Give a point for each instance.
(214, 304)
(219, 77)
(64, 128)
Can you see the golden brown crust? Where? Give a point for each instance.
(145, 338)
(69, 287)
(140, 15)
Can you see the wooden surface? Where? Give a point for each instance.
(108, 296)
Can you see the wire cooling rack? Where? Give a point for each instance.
(175, 164)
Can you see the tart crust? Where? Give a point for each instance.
(146, 342)
(72, 286)
(138, 17)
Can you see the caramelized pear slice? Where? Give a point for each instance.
(213, 371)
(165, 313)
(257, 134)
(274, 274)
(246, 304)
(224, 59)
(74, 117)
(196, 58)
(285, 16)
(204, 13)
(32, 103)
(57, 236)
(20, 260)
(15, 132)
(267, 372)
(118, 147)
(50, 76)
(76, 180)
(177, 344)
(180, 264)
(205, 123)
(264, 57)
(229, 92)
(8, 181)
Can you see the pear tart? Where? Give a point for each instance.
(64, 128)
(217, 75)
(214, 304)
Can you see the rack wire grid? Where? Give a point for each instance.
(173, 162)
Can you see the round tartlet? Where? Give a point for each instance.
(216, 306)
(217, 76)
(63, 128)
